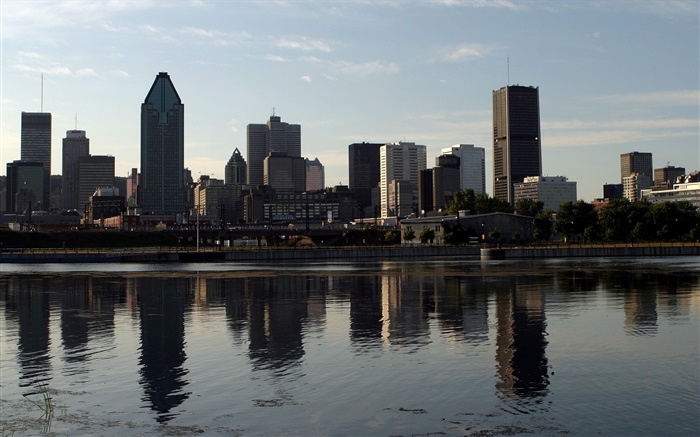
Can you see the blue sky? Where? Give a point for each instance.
(614, 76)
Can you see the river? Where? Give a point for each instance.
(447, 347)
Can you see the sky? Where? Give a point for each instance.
(613, 76)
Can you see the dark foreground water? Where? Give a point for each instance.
(452, 347)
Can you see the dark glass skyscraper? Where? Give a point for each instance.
(162, 182)
(365, 173)
(75, 145)
(36, 147)
(517, 151)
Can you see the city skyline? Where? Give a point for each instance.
(614, 77)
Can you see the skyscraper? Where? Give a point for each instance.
(315, 175)
(365, 172)
(36, 147)
(472, 166)
(25, 185)
(517, 151)
(235, 171)
(162, 181)
(635, 162)
(399, 162)
(275, 136)
(75, 145)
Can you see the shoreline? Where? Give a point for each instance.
(171, 255)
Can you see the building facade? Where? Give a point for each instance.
(315, 175)
(400, 161)
(633, 185)
(472, 166)
(274, 136)
(517, 151)
(685, 191)
(24, 186)
(162, 181)
(635, 162)
(446, 180)
(365, 173)
(284, 173)
(553, 191)
(75, 145)
(94, 172)
(35, 144)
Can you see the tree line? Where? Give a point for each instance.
(618, 221)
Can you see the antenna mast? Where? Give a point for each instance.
(42, 92)
(508, 68)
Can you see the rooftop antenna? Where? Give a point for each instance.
(273, 111)
(508, 68)
(42, 92)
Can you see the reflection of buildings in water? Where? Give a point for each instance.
(640, 312)
(520, 340)
(365, 296)
(162, 303)
(462, 308)
(87, 314)
(405, 308)
(28, 302)
(276, 313)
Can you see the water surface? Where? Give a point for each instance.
(450, 347)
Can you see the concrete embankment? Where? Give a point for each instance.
(160, 255)
(602, 251)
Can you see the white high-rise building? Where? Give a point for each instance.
(472, 166)
(401, 161)
(553, 191)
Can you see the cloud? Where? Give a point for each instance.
(273, 58)
(464, 52)
(56, 70)
(674, 98)
(306, 78)
(304, 44)
(498, 4)
(366, 68)
(85, 72)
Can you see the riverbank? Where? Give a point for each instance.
(270, 254)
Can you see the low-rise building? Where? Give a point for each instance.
(550, 190)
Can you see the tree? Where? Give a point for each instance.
(543, 226)
(484, 204)
(409, 235)
(462, 201)
(495, 234)
(427, 235)
(615, 220)
(574, 218)
(529, 207)
(390, 237)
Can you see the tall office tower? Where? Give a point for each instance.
(668, 174)
(635, 162)
(93, 172)
(425, 191)
(517, 151)
(364, 174)
(472, 166)
(284, 173)
(235, 171)
(25, 186)
(315, 175)
(36, 147)
(401, 161)
(446, 180)
(275, 136)
(162, 181)
(75, 145)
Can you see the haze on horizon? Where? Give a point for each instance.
(614, 77)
